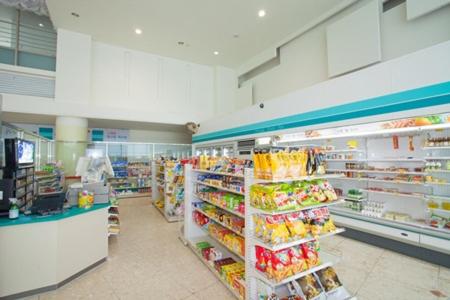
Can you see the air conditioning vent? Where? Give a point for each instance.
(246, 143)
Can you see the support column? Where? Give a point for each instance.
(71, 135)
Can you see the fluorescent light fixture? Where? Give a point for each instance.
(138, 31)
(261, 13)
(216, 52)
(41, 25)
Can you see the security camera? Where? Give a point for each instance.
(261, 105)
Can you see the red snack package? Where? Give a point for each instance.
(310, 253)
(263, 257)
(281, 265)
(297, 260)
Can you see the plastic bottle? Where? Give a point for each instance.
(13, 209)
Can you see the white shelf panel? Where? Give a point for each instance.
(218, 173)
(254, 210)
(434, 197)
(438, 158)
(395, 181)
(259, 242)
(327, 261)
(437, 148)
(220, 223)
(221, 243)
(344, 151)
(418, 196)
(376, 171)
(345, 160)
(236, 213)
(437, 171)
(302, 178)
(418, 160)
(214, 271)
(220, 188)
(437, 184)
(387, 222)
(439, 210)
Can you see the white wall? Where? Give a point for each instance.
(97, 80)
(303, 61)
(424, 67)
(124, 78)
(73, 63)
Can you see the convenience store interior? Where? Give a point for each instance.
(156, 150)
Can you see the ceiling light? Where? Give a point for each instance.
(216, 52)
(138, 31)
(181, 43)
(41, 25)
(75, 14)
(261, 13)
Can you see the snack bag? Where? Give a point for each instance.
(310, 253)
(328, 226)
(317, 226)
(329, 279)
(328, 190)
(294, 164)
(295, 225)
(263, 256)
(281, 265)
(317, 192)
(275, 231)
(297, 260)
(310, 287)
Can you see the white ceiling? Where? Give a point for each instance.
(205, 25)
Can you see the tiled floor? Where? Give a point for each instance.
(147, 261)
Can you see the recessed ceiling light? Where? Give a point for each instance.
(216, 52)
(236, 35)
(75, 14)
(261, 13)
(181, 43)
(41, 25)
(138, 31)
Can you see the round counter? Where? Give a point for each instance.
(42, 253)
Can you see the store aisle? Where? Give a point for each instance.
(147, 261)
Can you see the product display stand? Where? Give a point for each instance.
(165, 190)
(132, 179)
(256, 283)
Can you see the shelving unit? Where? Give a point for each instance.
(131, 179)
(168, 190)
(113, 216)
(255, 281)
(400, 177)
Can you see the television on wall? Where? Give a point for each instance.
(19, 152)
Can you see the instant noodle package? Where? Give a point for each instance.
(280, 163)
(289, 196)
(280, 229)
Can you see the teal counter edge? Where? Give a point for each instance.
(71, 212)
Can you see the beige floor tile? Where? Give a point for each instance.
(407, 270)
(148, 261)
(444, 273)
(378, 286)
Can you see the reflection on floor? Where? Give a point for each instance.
(147, 261)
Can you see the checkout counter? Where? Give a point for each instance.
(42, 253)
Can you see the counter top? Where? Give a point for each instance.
(71, 212)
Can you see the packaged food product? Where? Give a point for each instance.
(310, 252)
(297, 260)
(281, 265)
(328, 279)
(310, 287)
(296, 226)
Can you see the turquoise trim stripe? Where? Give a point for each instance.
(72, 212)
(427, 96)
